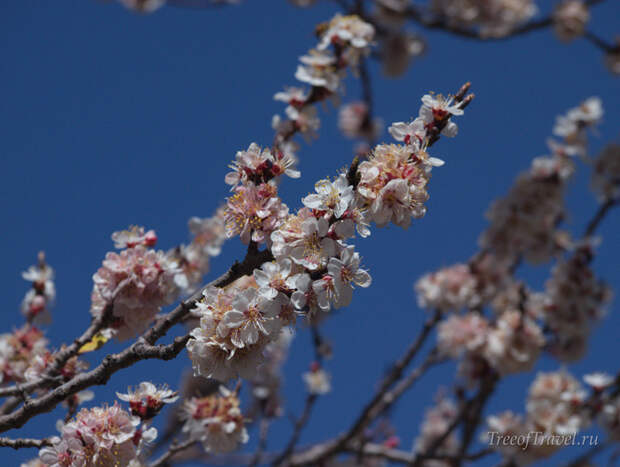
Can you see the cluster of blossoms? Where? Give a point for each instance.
(574, 299)
(314, 269)
(134, 284)
(392, 184)
(24, 356)
(322, 69)
(107, 436)
(323, 268)
(572, 126)
(24, 353)
(216, 421)
(557, 408)
(131, 286)
(40, 298)
(479, 18)
(451, 288)
(255, 210)
(193, 259)
(18, 351)
(436, 422)
(570, 18)
(101, 436)
(484, 280)
(513, 339)
(494, 18)
(510, 344)
(236, 324)
(523, 224)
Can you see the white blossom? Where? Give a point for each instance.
(335, 196)
(317, 380)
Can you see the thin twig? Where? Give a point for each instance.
(174, 449)
(366, 81)
(393, 395)
(470, 413)
(394, 374)
(297, 429)
(263, 428)
(300, 423)
(582, 460)
(378, 403)
(600, 215)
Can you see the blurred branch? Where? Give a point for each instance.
(24, 443)
(200, 4)
(601, 43)
(426, 20)
(600, 215)
(473, 417)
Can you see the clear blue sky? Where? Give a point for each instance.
(111, 119)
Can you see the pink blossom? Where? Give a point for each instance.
(147, 400)
(135, 283)
(216, 421)
(253, 212)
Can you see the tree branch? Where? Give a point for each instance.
(142, 349)
(299, 426)
(418, 15)
(377, 404)
(24, 443)
(263, 428)
(369, 411)
(317, 343)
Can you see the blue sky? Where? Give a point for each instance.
(112, 119)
